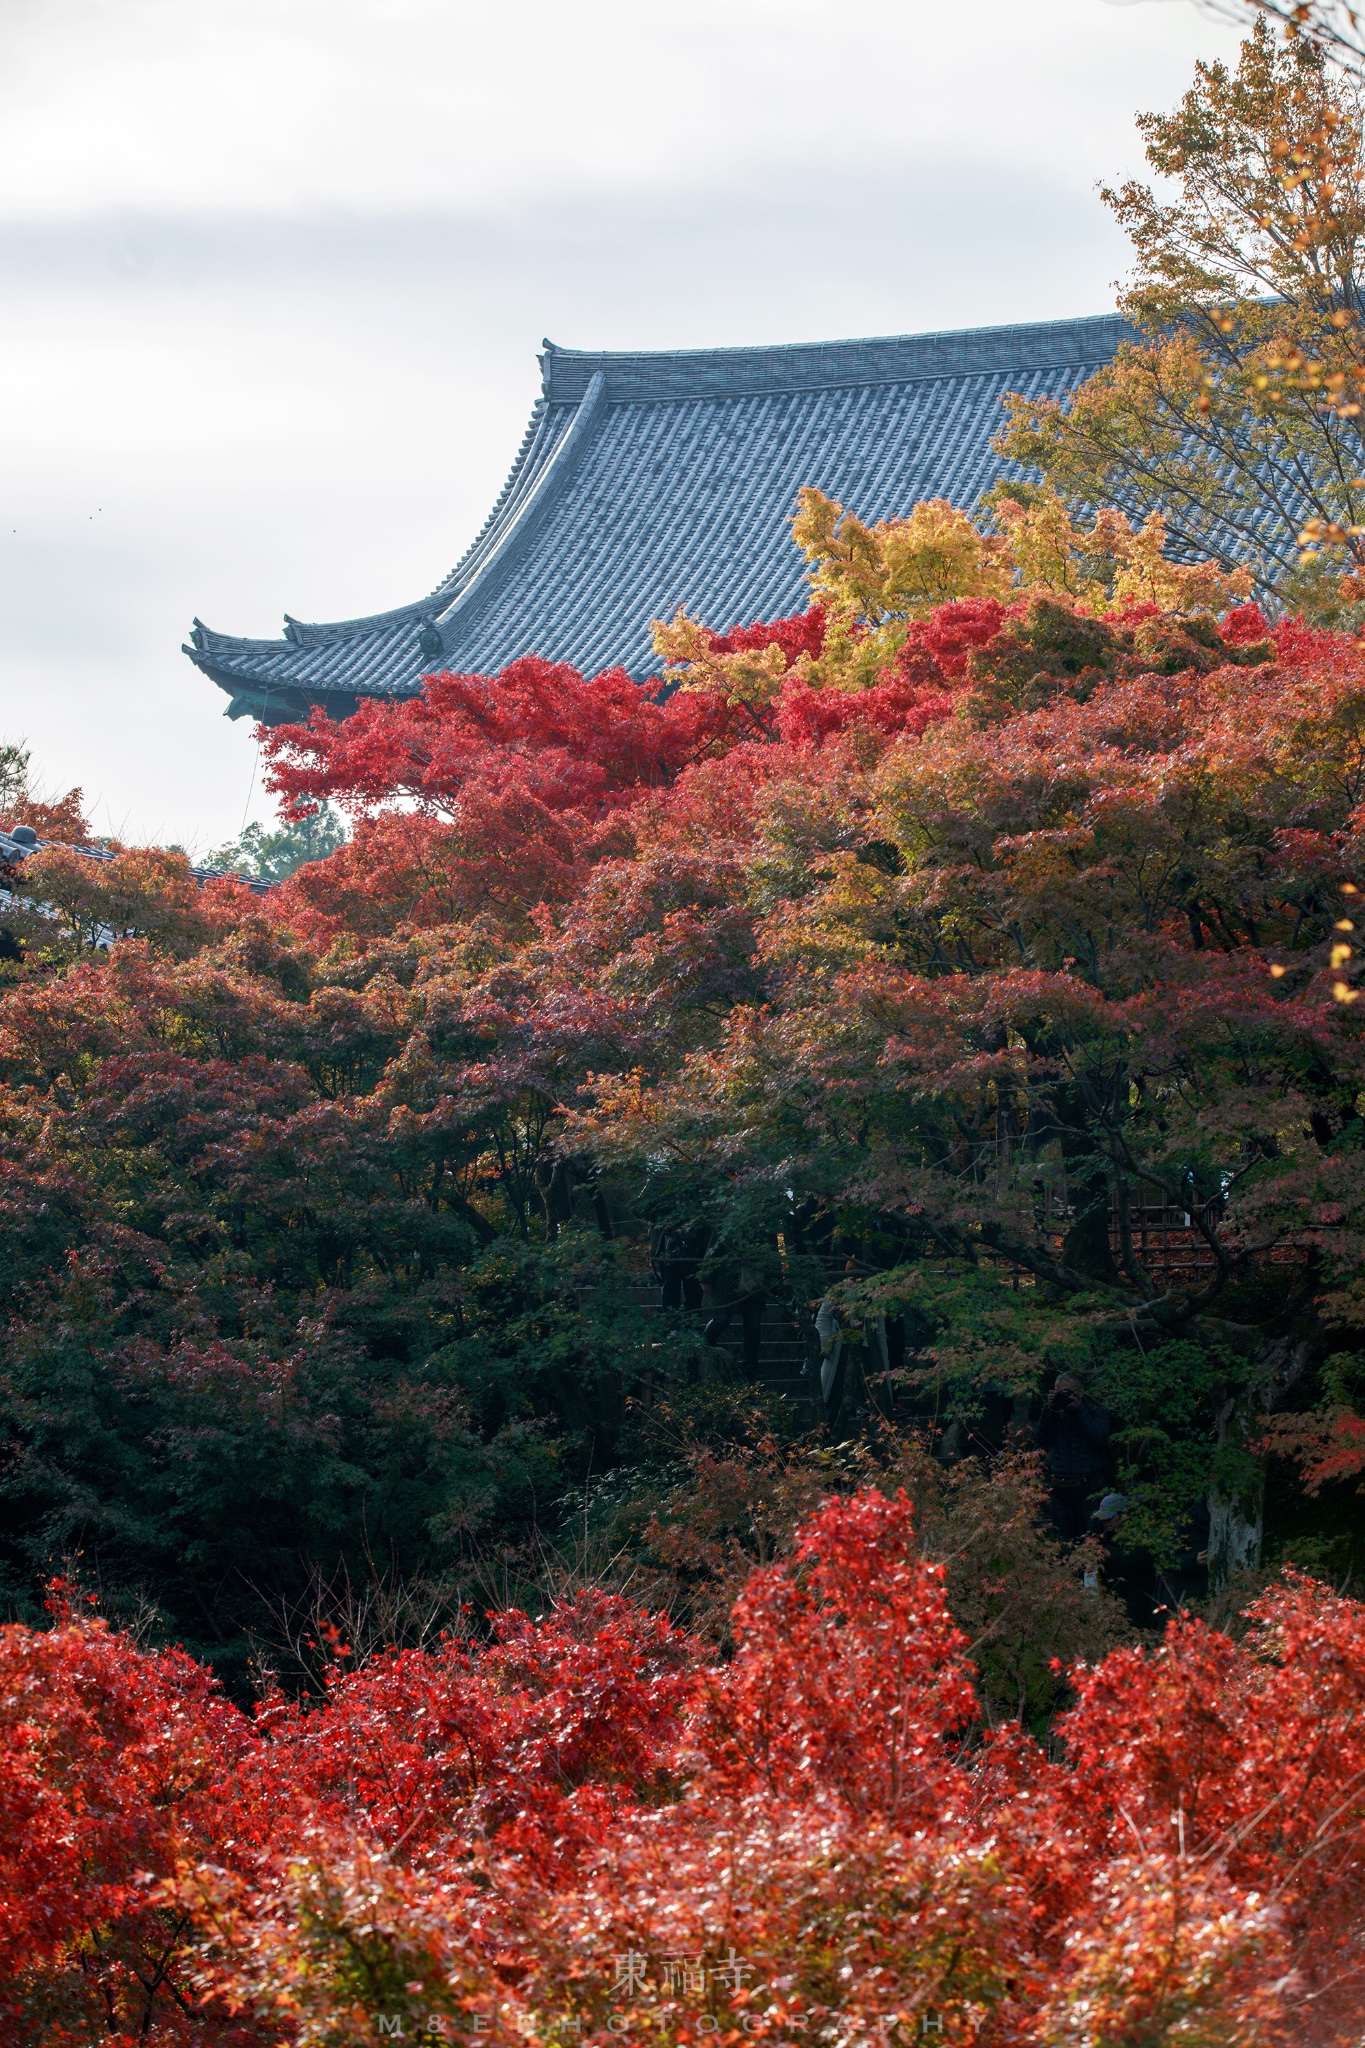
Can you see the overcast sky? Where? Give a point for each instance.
(274, 274)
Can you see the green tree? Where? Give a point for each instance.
(273, 856)
(14, 764)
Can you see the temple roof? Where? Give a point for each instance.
(650, 481)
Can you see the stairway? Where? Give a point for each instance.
(782, 1358)
(784, 1348)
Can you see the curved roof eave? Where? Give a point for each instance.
(538, 445)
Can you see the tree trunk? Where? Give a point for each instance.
(1236, 1528)
(1237, 1499)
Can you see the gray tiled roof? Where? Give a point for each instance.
(650, 481)
(14, 852)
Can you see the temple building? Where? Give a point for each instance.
(646, 482)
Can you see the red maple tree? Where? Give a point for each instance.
(588, 1827)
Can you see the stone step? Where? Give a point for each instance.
(785, 1348)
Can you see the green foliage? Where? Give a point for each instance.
(550, 1335)
(267, 856)
(1165, 1400)
(14, 767)
(1343, 1378)
(978, 1335)
(210, 1478)
(977, 1330)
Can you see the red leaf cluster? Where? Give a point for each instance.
(802, 633)
(585, 1829)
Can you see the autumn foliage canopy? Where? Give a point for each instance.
(972, 917)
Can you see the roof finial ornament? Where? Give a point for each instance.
(430, 643)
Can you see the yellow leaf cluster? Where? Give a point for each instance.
(1145, 574)
(1237, 405)
(898, 569)
(751, 678)
(1111, 563)
(874, 581)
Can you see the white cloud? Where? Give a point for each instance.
(382, 104)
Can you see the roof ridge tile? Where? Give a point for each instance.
(829, 365)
